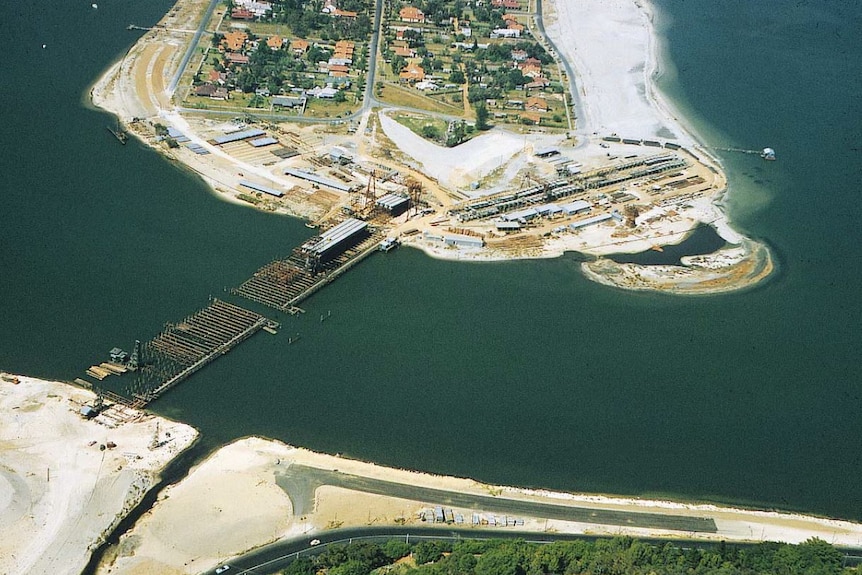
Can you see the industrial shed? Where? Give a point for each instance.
(333, 242)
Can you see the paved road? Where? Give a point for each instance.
(577, 102)
(300, 482)
(192, 45)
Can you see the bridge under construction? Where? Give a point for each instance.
(183, 348)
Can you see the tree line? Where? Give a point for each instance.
(617, 556)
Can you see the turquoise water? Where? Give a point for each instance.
(519, 373)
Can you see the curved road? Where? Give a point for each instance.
(300, 483)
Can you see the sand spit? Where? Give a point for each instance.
(61, 487)
(728, 269)
(256, 491)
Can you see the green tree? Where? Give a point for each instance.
(301, 566)
(398, 63)
(430, 132)
(395, 549)
(482, 117)
(351, 567)
(457, 77)
(501, 561)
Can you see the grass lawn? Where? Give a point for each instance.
(412, 98)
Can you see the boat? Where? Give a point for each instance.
(768, 154)
(388, 245)
(119, 133)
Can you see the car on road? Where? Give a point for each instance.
(222, 569)
(314, 542)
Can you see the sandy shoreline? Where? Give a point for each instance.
(255, 491)
(62, 489)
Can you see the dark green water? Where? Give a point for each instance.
(518, 373)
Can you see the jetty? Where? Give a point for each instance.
(183, 348)
(119, 133)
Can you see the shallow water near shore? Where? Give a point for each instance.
(520, 373)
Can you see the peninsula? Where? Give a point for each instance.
(523, 141)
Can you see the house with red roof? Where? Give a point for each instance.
(411, 14)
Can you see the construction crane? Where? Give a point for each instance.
(414, 188)
(364, 203)
(530, 176)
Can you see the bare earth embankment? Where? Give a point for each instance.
(65, 481)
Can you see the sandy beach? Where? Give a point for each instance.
(61, 487)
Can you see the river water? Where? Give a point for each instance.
(520, 373)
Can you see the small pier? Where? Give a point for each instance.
(183, 348)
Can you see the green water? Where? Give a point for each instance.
(518, 373)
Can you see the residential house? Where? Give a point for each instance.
(519, 55)
(288, 102)
(506, 4)
(344, 49)
(506, 33)
(403, 51)
(205, 90)
(235, 58)
(344, 14)
(234, 41)
(411, 14)
(212, 92)
(216, 77)
(338, 70)
(531, 117)
(531, 71)
(538, 83)
(412, 73)
(536, 104)
(299, 46)
(259, 9)
(275, 42)
(241, 14)
(514, 25)
(323, 93)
